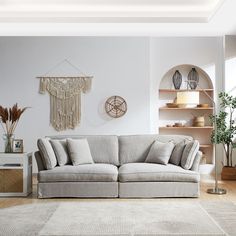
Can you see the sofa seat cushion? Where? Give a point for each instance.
(147, 172)
(81, 173)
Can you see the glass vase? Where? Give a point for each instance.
(8, 138)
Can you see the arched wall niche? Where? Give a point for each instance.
(168, 117)
(204, 79)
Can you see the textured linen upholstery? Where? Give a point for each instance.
(196, 162)
(47, 153)
(78, 189)
(79, 151)
(160, 152)
(189, 154)
(135, 148)
(61, 152)
(176, 155)
(158, 189)
(103, 148)
(39, 161)
(82, 173)
(146, 172)
(101, 179)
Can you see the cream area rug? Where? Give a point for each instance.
(119, 218)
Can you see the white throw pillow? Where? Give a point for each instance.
(160, 152)
(47, 153)
(189, 154)
(79, 151)
(61, 152)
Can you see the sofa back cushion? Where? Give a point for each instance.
(61, 151)
(160, 152)
(79, 151)
(135, 148)
(103, 148)
(47, 153)
(177, 153)
(190, 151)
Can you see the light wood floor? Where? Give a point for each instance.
(206, 182)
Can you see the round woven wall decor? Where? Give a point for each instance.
(115, 106)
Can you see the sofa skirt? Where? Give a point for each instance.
(78, 190)
(115, 189)
(158, 189)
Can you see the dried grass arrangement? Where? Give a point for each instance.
(9, 118)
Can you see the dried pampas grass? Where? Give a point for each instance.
(9, 118)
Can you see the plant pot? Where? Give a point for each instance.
(228, 173)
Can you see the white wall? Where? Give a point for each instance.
(120, 66)
(230, 71)
(125, 66)
(230, 64)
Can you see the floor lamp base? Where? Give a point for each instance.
(219, 191)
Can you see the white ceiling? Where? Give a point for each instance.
(108, 10)
(131, 17)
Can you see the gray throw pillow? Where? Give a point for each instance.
(160, 152)
(189, 154)
(61, 152)
(176, 155)
(47, 153)
(79, 151)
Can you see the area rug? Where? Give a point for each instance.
(123, 218)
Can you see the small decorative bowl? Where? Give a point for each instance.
(171, 105)
(203, 105)
(178, 125)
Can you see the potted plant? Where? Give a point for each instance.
(9, 118)
(225, 133)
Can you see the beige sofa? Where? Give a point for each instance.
(119, 170)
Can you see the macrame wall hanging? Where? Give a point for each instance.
(65, 97)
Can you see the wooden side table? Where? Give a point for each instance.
(15, 174)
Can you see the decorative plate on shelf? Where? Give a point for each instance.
(116, 106)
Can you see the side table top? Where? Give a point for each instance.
(15, 154)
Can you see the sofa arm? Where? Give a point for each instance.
(196, 162)
(39, 161)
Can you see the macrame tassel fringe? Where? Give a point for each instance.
(87, 84)
(42, 85)
(65, 100)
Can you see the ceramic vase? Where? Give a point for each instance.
(177, 79)
(193, 78)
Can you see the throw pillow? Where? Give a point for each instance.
(176, 155)
(79, 151)
(160, 152)
(189, 154)
(61, 152)
(47, 153)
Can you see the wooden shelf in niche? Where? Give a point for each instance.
(182, 90)
(177, 108)
(187, 127)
